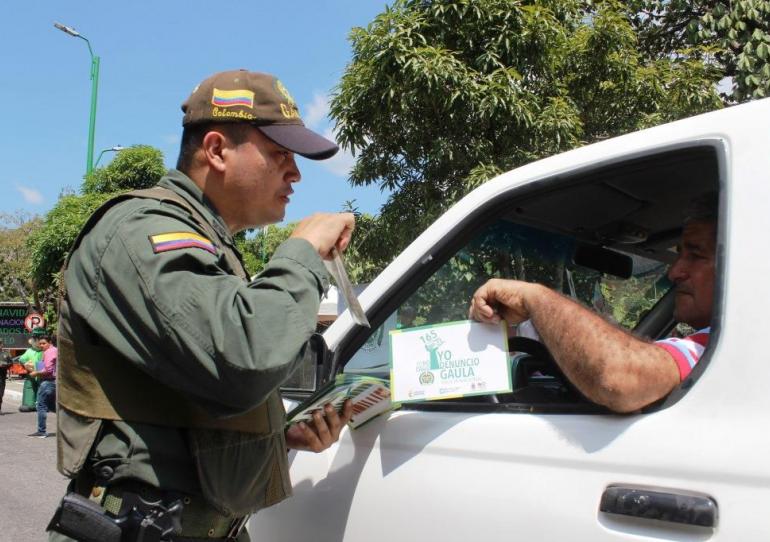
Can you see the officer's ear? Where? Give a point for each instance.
(214, 146)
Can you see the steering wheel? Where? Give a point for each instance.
(530, 346)
(539, 359)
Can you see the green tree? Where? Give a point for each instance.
(367, 254)
(442, 95)
(136, 167)
(734, 35)
(51, 243)
(364, 257)
(140, 166)
(15, 255)
(258, 250)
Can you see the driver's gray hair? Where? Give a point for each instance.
(703, 208)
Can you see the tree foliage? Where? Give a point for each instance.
(258, 250)
(51, 243)
(441, 95)
(364, 257)
(136, 167)
(734, 35)
(140, 166)
(514, 251)
(15, 281)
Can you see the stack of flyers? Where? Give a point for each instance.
(370, 396)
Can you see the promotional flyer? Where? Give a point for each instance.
(454, 359)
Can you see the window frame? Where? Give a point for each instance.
(492, 210)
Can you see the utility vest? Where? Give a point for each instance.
(241, 460)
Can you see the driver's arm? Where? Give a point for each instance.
(606, 363)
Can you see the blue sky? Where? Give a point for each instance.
(152, 55)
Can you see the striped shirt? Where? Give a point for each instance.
(686, 351)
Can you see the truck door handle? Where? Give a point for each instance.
(663, 506)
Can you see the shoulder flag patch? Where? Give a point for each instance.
(164, 242)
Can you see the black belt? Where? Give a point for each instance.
(235, 530)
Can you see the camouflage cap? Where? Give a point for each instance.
(259, 99)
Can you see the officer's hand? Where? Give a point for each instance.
(322, 432)
(498, 299)
(326, 230)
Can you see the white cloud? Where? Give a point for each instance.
(30, 195)
(317, 112)
(316, 117)
(171, 139)
(342, 162)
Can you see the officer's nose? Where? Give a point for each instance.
(293, 174)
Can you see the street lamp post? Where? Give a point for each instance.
(116, 148)
(94, 89)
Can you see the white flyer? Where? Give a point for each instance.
(454, 359)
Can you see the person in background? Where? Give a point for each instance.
(46, 396)
(606, 363)
(5, 363)
(31, 360)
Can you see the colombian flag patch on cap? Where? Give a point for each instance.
(164, 242)
(229, 98)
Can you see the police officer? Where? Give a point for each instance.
(170, 424)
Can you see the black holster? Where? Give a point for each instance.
(83, 520)
(139, 520)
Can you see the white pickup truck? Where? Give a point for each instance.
(542, 463)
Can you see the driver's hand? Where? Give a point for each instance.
(500, 299)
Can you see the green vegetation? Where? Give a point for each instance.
(51, 243)
(258, 250)
(15, 255)
(733, 36)
(364, 258)
(136, 167)
(443, 95)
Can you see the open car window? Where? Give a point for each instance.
(510, 250)
(604, 235)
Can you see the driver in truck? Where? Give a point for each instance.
(608, 364)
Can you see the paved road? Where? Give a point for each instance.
(30, 485)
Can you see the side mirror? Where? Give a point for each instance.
(603, 260)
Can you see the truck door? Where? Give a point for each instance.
(543, 463)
